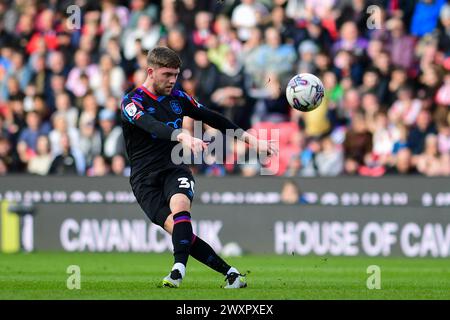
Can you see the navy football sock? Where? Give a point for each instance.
(181, 236)
(203, 252)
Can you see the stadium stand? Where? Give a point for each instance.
(386, 73)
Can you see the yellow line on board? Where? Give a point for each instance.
(10, 235)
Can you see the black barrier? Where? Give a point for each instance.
(280, 229)
(348, 217)
(342, 191)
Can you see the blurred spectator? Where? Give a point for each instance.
(114, 31)
(4, 133)
(346, 65)
(284, 25)
(45, 32)
(146, 31)
(296, 10)
(315, 32)
(358, 140)
(15, 115)
(308, 158)
(443, 94)
(57, 86)
(444, 31)
(444, 139)
(57, 63)
(227, 34)
(445, 165)
(176, 40)
(406, 109)
(274, 105)
(425, 16)
(350, 40)
(89, 106)
(119, 167)
(418, 133)
(402, 140)
(60, 128)
(248, 14)
(428, 162)
(111, 134)
(169, 20)
(382, 63)
(40, 163)
(40, 74)
(28, 137)
(140, 8)
(82, 67)
(384, 137)
(109, 81)
(3, 168)
(291, 193)
(217, 51)
(349, 106)
(69, 162)
(202, 30)
(110, 8)
(429, 83)
(9, 159)
(398, 80)
(307, 50)
(231, 97)
(20, 70)
(400, 44)
(186, 10)
(250, 47)
(274, 57)
(330, 160)
(403, 163)
(64, 107)
(370, 108)
(99, 167)
(90, 142)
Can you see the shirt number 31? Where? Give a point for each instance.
(186, 184)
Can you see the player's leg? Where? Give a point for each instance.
(179, 224)
(178, 183)
(150, 196)
(204, 253)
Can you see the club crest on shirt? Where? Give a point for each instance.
(176, 107)
(131, 109)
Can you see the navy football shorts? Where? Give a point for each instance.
(154, 191)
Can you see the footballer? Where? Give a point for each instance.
(151, 115)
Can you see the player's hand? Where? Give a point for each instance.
(269, 147)
(194, 144)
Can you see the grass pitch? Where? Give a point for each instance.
(137, 276)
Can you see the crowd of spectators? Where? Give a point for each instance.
(385, 65)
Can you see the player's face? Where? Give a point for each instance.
(164, 80)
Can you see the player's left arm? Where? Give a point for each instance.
(214, 119)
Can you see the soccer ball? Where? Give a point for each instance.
(305, 92)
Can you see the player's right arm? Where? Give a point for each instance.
(133, 112)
